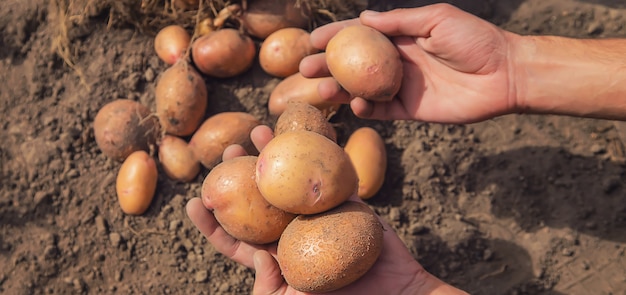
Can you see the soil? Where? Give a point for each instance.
(520, 204)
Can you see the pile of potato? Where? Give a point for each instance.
(296, 191)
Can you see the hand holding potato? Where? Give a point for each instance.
(395, 270)
(456, 66)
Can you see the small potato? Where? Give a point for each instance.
(303, 116)
(264, 17)
(177, 160)
(218, 132)
(170, 43)
(365, 63)
(185, 4)
(136, 183)
(327, 251)
(223, 53)
(367, 152)
(231, 192)
(299, 88)
(181, 99)
(282, 51)
(304, 172)
(123, 126)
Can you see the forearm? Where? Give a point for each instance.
(564, 76)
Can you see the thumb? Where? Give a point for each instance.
(268, 279)
(416, 22)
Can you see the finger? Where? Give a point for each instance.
(321, 35)
(268, 278)
(329, 90)
(224, 243)
(314, 66)
(261, 135)
(417, 22)
(232, 151)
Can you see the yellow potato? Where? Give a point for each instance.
(136, 183)
(299, 88)
(324, 252)
(365, 63)
(231, 192)
(281, 52)
(304, 172)
(303, 116)
(367, 152)
(177, 160)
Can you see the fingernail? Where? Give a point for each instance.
(369, 13)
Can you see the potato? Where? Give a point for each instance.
(218, 132)
(365, 63)
(303, 116)
(264, 17)
(177, 160)
(123, 126)
(185, 4)
(304, 172)
(299, 88)
(171, 42)
(230, 191)
(136, 183)
(282, 51)
(327, 251)
(181, 99)
(223, 53)
(367, 152)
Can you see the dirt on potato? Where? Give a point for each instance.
(520, 204)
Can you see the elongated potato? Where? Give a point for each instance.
(181, 99)
(177, 159)
(367, 152)
(299, 88)
(231, 192)
(218, 132)
(124, 126)
(136, 183)
(304, 172)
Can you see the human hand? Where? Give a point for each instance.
(456, 66)
(395, 271)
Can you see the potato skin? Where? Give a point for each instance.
(123, 126)
(177, 159)
(327, 251)
(367, 152)
(231, 192)
(223, 53)
(303, 116)
(170, 43)
(281, 52)
(218, 132)
(136, 183)
(181, 99)
(365, 63)
(304, 172)
(299, 88)
(263, 18)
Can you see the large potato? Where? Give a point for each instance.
(230, 191)
(367, 152)
(223, 53)
(264, 17)
(327, 251)
(304, 172)
(181, 99)
(218, 132)
(303, 116)
(365, 63)
(124, 126)
(299, 88)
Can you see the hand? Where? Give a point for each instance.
(395, 271)
(456, 66)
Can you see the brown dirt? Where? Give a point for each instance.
(516, 205)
